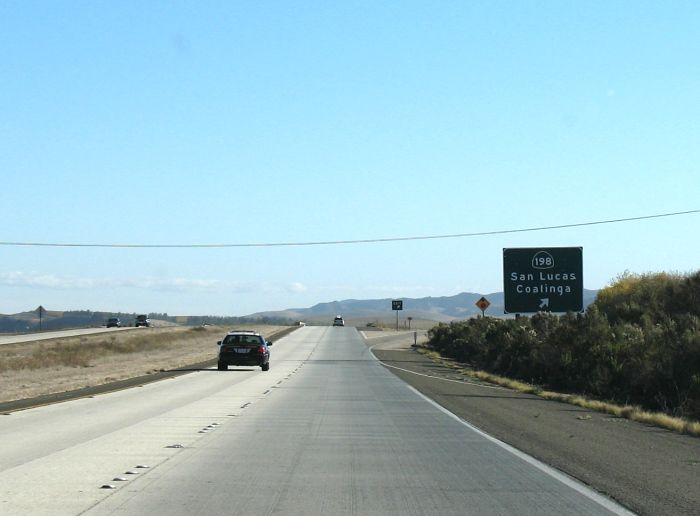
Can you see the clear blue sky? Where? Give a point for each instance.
(277, 121)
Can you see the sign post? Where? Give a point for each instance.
(483, 304)
(397, 304)
(41, 314)
(548, 279)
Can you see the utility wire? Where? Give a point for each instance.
(360, 241)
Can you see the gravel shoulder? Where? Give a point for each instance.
(647, 469)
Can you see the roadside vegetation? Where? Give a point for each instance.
(637, 348)
(84, 351)
(29, 369)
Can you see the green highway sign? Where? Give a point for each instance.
(397, 305)
(546, 279)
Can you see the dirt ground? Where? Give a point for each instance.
(188, 347)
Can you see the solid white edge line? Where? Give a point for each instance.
(461, 382)
(562, 477)
(464, 382)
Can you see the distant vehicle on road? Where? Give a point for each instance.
(338, 321)
(142, 320)
(114, 322)
(244, 348)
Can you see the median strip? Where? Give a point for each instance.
(8, 407)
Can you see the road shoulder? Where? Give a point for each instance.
(647, 469)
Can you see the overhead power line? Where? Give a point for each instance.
(358, 241)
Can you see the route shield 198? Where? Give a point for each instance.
(543, 279)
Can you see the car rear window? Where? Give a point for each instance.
(244, 340)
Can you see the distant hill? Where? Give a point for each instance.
(355, 311)
(441, 309)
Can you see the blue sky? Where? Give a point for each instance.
(236, 122)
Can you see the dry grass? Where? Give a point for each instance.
(35, 368)
(389, 324)
(432, 355)
(83, 351)
(630, 412)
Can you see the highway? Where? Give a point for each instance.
(328, 430)
(58, 334)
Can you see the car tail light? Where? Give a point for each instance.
(261, 350)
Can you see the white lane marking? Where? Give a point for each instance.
(461, 382)
(562, 477)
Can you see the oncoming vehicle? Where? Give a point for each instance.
(114, 322)
(338, 321)
(244, 348)
(142, 320)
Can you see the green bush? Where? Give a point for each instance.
(639, 342)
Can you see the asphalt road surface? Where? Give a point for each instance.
(646, 468)
(328, 430)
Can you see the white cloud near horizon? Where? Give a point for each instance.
(52, 281)
(384, 290)
(39, 280)
(296, 287)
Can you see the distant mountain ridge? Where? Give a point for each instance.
(444, 309)
(440, 309)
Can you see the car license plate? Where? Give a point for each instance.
(241, 350)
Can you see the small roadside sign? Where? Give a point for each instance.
(41, 311)
(397, 304)
(482, 304)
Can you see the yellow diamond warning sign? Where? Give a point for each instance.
(482, 304)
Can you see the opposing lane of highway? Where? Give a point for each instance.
(59, 334)
(327, 430)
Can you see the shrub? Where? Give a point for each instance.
(639, 342)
